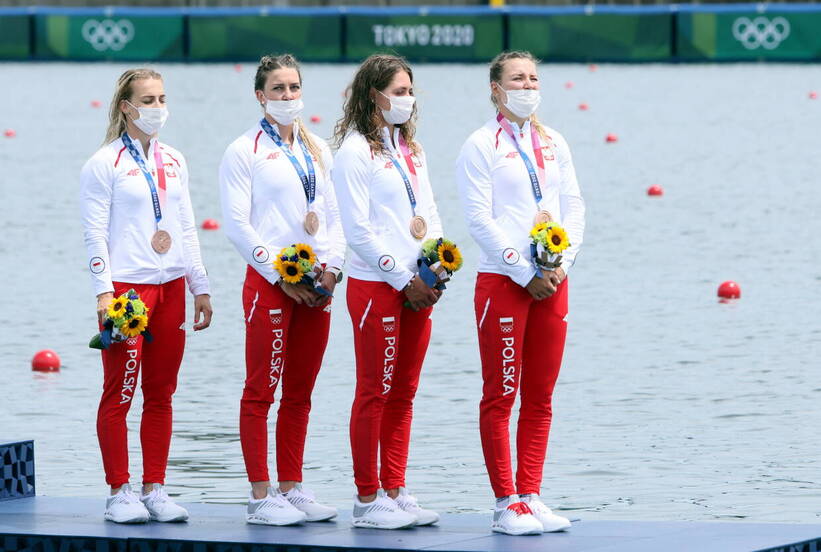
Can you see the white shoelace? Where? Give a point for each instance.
(382, 504)
(276, 502)
(125, 496)
(298, 495)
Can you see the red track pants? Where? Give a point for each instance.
(283, 341)
(521, 342)
(390, 342)
(159, 362)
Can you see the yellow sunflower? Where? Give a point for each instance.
(134, 326)
(557, 240)
(449, 256)
(117, 307)
(289, 270)
(534, 232)
(304, 251)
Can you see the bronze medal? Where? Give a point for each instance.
(161, 241)
(418, 227)
(542, 217)
(311, 223)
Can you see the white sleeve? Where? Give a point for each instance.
(336, 235)
(235, 196)
(95, 208)
(571, 204)
(352, 176)
(195, 273)
(476, 190)
(435, 222)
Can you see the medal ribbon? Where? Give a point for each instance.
(309, 181)
(537, 151)
(408, 187)
(135, 154)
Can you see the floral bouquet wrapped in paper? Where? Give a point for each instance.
(438, 261)
(298, 264)
(127, 317)
(548, 240)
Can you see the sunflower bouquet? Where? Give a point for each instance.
(438, 261)
(548, 240)
(298, 264)
(127, 317)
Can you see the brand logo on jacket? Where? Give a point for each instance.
(510, 256)
(260, 254)
(96, 265)
(274, 155)
(386, 263)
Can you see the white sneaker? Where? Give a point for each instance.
(514, 517)
(408, 503)
(160, 506)
(274, 509)
(304, 500)
(550, 521)
(382, 513)
(125, 507)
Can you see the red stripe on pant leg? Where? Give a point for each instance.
(414, 336)
(543, 349)
(160, 366)
(375, 347)
(267, 314)
(501, 339)
(121, 368)
(307, 339)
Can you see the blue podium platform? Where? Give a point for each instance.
(76, 525)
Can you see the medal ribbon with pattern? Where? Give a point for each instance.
(309, 180)
(410, 188)
(537, 151)
(156, 198)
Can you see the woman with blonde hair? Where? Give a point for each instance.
(276, 192)
(388, 211)
(512, 173)
(140, 234)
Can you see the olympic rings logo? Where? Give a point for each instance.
(761, 32)
(108, 34)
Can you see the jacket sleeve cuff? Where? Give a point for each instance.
(400, 279)
(524, 275)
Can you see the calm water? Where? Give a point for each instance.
(669, 406)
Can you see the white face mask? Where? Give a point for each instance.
(151, 119)
(522, 103)
(284, 111)
(400, 111)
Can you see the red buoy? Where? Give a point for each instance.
(593, 67)
(315, 118)
(611, 138)
(210, 224)
(583, 107)
(813, 95)
(655, 190)
(238, 67)
(45, 361)
(9, 133)
(729, 290)
(96, 104)
(568, 85)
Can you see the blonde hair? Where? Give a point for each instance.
(270, 63)
(497, 66)
(116, 118)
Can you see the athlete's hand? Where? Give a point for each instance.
(544, 287)
(103, 301)
(328, 282)
(202, 305)
(419, 295)
(300, 293)
(561, 274)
